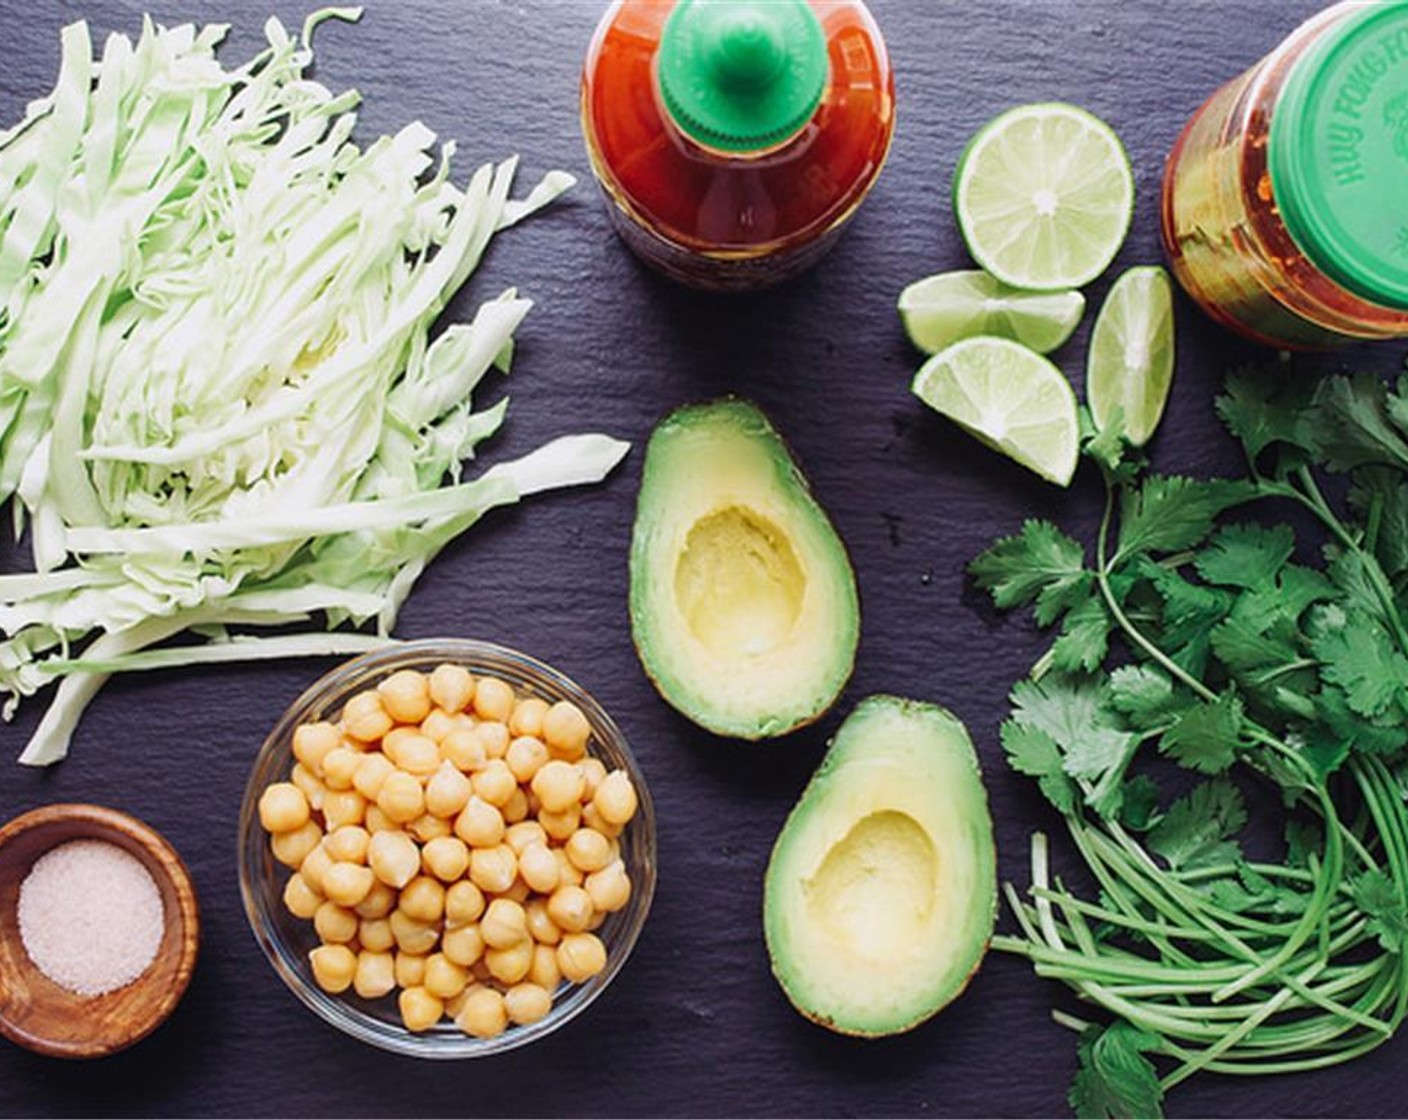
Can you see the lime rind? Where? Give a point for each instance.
(1010, 398)
(1044, 196)
(1130, 364)
(940, 310)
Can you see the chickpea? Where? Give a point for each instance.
(558, 785)
(539, 868)
(426, 828)
(510, 965)
(405, 695)
(610, 888)
(311, 785)
(566, 730)
(455, 1004)
(283, 808)
(376, 821)
(464, 903)
(568, 873)
(334, 923)
(347, 884)
(494, 783)
(410, 969)
(463, 945)
(518, 892)
(448, 791)
(560, 826)
(525, 756)
(570, 908)
(523, 835)
(527, 717)
(515, 810)
(364, 717)
(292, 848)
(314, 864)
(333, 967)
(493, 869)
(545, 972)
(527, 1003)
(345, 806)
(592, 819)
(375, 935)
(504, 924)
(301, 900)
(443, 977)
(494, 737)
(375, 975)
(493, 699)
(480, 825)
(415, 754)
(615, 798)
(313, 740)
(437, 725)
(540, 926)
(445, 857)
(483, 1014)
(412, 936)
(423, 899)
(463, 749)
(419, 1009)
(451, 687)
(340, 766)
(592, 770)
(372, 770)
(581, 956)
(401, 797)
(380, 901)
(588, 849)
(394, 858)
(348, 844)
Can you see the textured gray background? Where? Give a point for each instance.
(695, 1023)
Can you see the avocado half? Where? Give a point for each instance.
(881, 894)
(743, 601)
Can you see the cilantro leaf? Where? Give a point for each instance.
(1348, 425)
(1360, 657)
(1033, 752)
(1260, 409)
(1066, 706)
(1141, 798)
(1242, 647)
(1144, 695)
(1344, 723)
(1298, 587)
(1198, 828)
(1246, 555)
(1085, 638)
(1169, 513)
(1115, 1079)
(1039, 563)
(1378, 896)
(1206, 735)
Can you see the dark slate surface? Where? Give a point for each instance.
(695, 1024)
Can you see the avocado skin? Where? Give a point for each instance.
(844, 749)
(743, 419)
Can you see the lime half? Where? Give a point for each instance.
(1009, 397)
(1044, 195)
(939, 310)
(1131, 354)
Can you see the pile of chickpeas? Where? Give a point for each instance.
(455, 840)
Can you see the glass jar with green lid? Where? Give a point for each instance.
(1285, 200)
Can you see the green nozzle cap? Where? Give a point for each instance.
(741, 75)
(1338, 153)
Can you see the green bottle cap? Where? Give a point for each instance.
(1338, 153)
(741, 75)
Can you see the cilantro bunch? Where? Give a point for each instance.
(1204, 650)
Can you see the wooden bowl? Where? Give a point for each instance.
(39, 1014)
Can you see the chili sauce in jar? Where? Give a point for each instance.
(735, 138)
(1285, 200)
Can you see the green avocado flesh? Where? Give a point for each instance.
(743, 602)
(881, 893)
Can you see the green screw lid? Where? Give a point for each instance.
(1338, 153)
(741, 75)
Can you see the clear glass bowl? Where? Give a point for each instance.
(287, 940)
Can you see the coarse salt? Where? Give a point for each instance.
(90, 916)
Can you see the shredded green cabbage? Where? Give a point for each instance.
(220, 402)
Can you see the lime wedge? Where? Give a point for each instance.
(939, 310)
(1044, 195)
(1010, 398)
(1131, 354)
